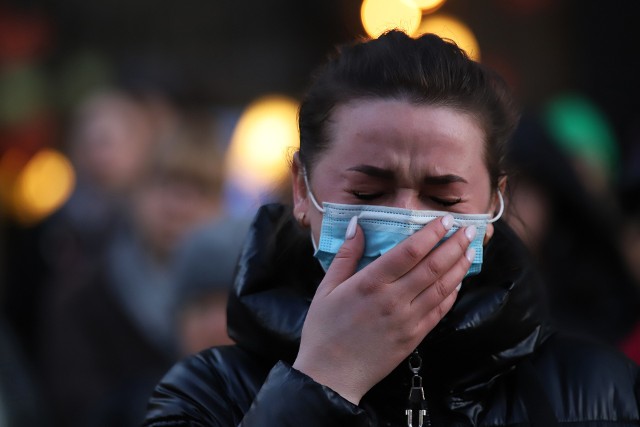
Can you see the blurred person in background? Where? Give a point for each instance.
(203, 270)
(575, 238)
(107, 340)
(110, 137)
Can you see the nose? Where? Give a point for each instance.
(409, 199)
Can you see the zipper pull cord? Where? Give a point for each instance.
(417, 406)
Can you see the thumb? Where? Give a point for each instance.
(345, 263)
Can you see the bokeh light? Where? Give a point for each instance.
(582, 130)
(379, 16)
(449, 27)
(429, 6)
(266, 131)
(43, 185)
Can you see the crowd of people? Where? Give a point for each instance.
(135, 266)
(138, 267)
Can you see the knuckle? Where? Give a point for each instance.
(370, 288)
(345, 252)
(443, 308)
(378, 280)
(441, 289)
(435, 229)
(411, 251)
(432, 268)
(389, 307)
(441, 312)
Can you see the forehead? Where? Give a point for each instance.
(400, 134)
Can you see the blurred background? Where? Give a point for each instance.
(131, 129)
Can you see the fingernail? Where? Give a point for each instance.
(459, 286)
(351, 228)
(470, 232)
(470, 254)
(447, 221)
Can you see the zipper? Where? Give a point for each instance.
(417, 414)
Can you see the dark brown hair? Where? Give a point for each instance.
(426, 70)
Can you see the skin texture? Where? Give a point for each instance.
(393, 153)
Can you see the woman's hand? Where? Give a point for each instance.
(361, 326)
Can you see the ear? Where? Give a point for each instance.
(495, 205)
(300, 194)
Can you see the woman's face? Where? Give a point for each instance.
(394, 153)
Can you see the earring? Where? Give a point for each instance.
(301, 217)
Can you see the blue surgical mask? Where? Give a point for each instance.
(385, 227)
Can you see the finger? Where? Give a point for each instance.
(429, 319)
(407, 254)
(435, 269)
(445, 286)
(345, 263)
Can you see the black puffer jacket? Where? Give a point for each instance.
(492, 361)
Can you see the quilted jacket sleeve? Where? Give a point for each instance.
(212, 392)
(290, 398)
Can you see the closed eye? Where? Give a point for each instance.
(366, 196)
(446, 202)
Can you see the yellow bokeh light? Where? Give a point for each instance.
(379, 16)
(266, 131)
(42, 186)
(449, 27)
(429, 6)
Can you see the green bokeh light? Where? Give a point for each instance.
(581, 129)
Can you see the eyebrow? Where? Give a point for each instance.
(373, 171)
(444, 179)
(386, 174)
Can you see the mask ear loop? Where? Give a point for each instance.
(315, 203)
(313, 199)
(500, 212)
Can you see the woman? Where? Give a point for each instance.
(428, 313)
